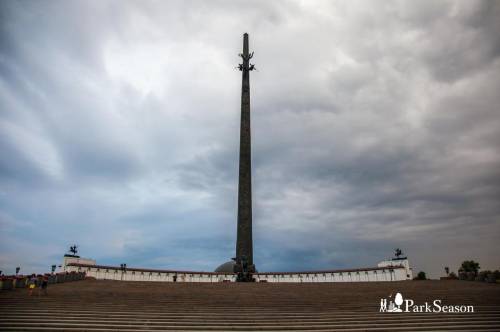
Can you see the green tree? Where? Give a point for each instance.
(470, 266)
(421, 276)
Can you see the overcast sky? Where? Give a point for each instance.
(375, 125)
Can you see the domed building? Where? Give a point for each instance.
(227, 267)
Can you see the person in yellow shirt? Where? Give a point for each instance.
(32, 284)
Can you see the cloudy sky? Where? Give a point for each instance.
(375, 124)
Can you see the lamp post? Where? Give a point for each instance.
(17, 270)
(53, 268)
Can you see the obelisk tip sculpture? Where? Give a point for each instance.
(244, 266)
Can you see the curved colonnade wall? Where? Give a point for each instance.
(393, 270)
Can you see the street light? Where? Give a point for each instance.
(17, 270)
(53, 268)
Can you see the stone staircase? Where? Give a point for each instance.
(92, 305)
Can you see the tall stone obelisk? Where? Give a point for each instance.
(244, 248)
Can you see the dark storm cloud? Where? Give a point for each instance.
(375, 125)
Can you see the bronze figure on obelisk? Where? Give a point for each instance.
(244, 250)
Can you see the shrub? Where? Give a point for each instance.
(483, 275)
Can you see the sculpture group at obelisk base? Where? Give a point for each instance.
(244, 266)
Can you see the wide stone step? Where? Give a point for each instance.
(208, 322)
(398, 329)
(382, 316)
(247, 315)
(415, 327)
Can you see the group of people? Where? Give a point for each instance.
(35, 282)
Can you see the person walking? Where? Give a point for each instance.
(32, 284)
(43, 287)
